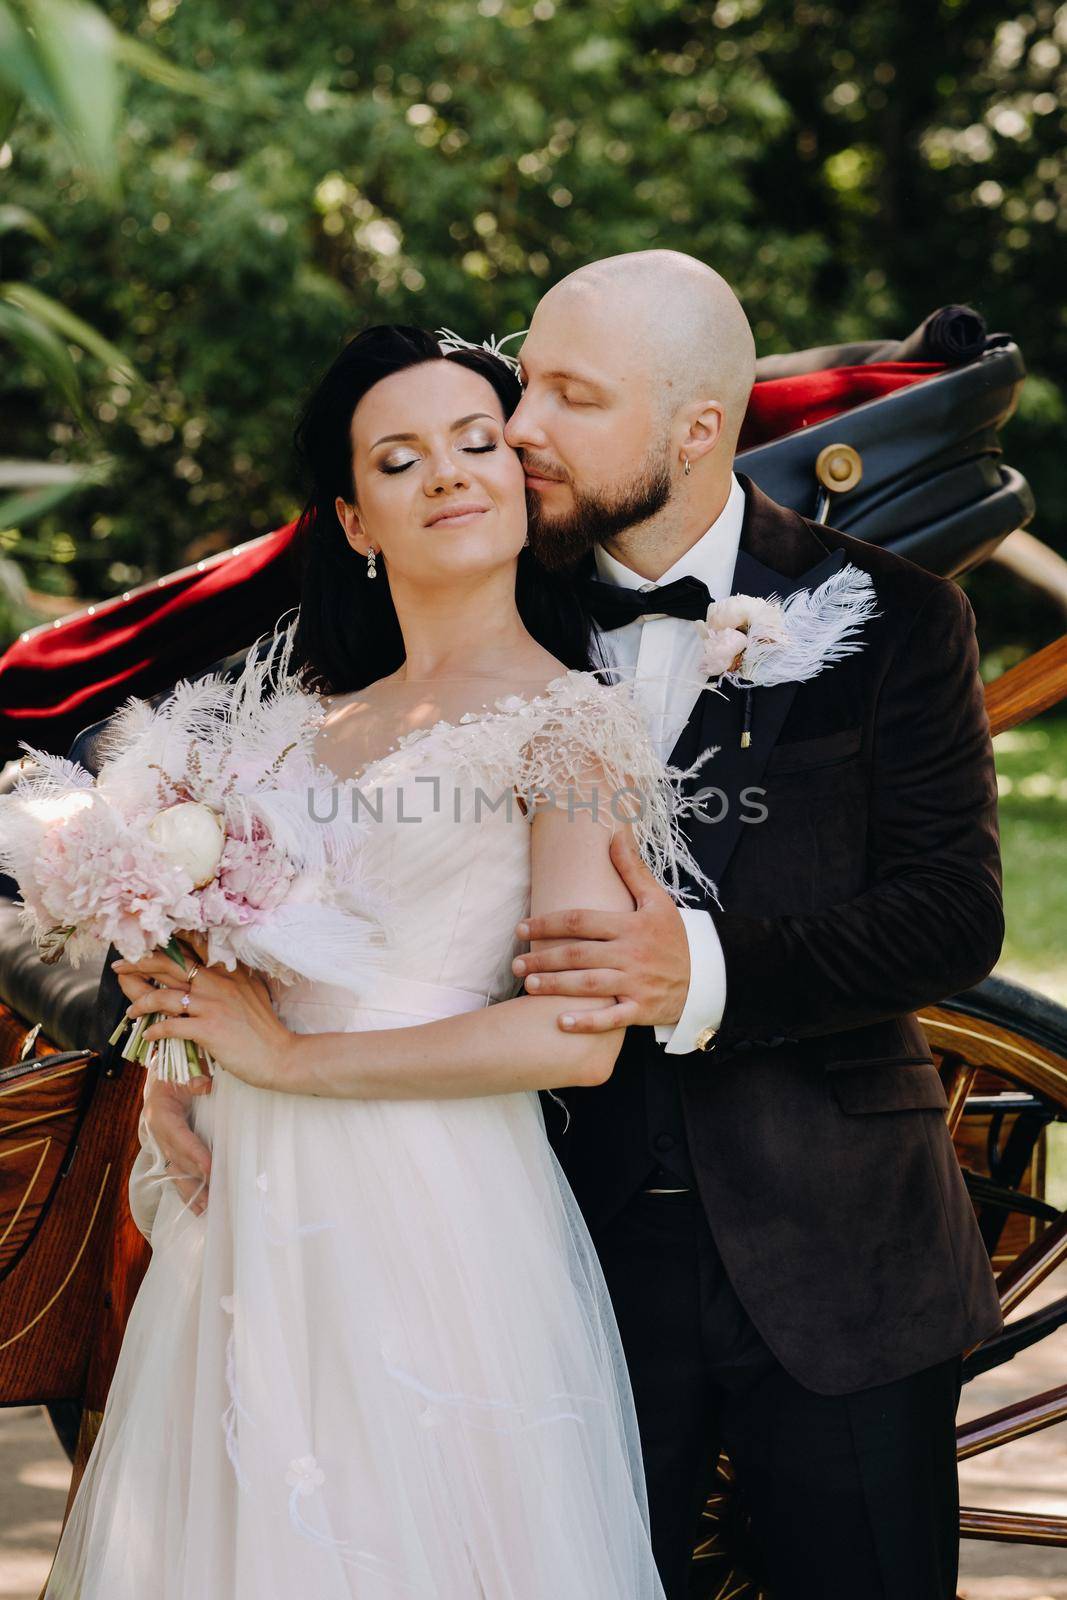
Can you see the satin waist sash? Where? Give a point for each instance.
(389, 1001)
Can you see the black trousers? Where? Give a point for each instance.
(850, 1497)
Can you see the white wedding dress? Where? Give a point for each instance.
(383, 1364)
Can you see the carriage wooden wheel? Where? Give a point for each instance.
(1002, 1053)
(1003, 1059)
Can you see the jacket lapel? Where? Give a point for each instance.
(778, 534)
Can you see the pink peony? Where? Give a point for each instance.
(255, 872)
(112, 885)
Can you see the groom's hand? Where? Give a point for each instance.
(637, 960)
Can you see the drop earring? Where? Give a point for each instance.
(372, 570)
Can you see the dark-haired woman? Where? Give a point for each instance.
(381, 1361)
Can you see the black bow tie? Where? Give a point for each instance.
(613, 607)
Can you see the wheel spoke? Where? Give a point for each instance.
(1012, 1527)
(1015, 1338)
(986, 1192)
(958, 1077)
(1016, 1421)
(1030, 1269)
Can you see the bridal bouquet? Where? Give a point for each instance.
(204, 817)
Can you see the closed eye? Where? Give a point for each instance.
(468, 449)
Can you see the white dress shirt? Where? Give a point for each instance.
(660, 655)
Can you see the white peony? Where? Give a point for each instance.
(192, 837)
(748, 613)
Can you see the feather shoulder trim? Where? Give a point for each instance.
(576, 736)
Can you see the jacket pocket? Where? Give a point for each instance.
(892, 1039)
(907, 1083)
(829, 750)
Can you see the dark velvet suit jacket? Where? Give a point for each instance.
(814, 1124)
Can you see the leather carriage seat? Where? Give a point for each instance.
(61, 997)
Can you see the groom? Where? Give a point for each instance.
(768, 1176)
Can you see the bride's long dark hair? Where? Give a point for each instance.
(347, 633)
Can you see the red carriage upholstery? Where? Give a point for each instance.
(55, 680)
(783, 405)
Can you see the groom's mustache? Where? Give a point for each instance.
(538, 469)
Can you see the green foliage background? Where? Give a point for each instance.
(847, 166)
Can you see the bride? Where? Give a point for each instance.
(381, 1361)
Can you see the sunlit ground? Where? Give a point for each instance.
(34, 1476)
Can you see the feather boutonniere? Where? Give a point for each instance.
(756, 643)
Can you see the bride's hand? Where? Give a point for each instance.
(167, 1107)
(230, 1014)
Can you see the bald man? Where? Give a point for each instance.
(789, 1246)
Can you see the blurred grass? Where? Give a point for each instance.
(1032, 777)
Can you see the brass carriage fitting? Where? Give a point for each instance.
(838, 467)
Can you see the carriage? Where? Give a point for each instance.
(895, 442)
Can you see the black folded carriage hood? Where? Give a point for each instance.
(934, 487)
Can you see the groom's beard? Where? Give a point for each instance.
(559, 543)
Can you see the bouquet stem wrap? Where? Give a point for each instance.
(172, 1060)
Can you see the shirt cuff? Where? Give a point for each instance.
(706, 1000)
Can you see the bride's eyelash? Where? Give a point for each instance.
(470, 449)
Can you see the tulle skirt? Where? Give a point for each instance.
(382, 1364)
